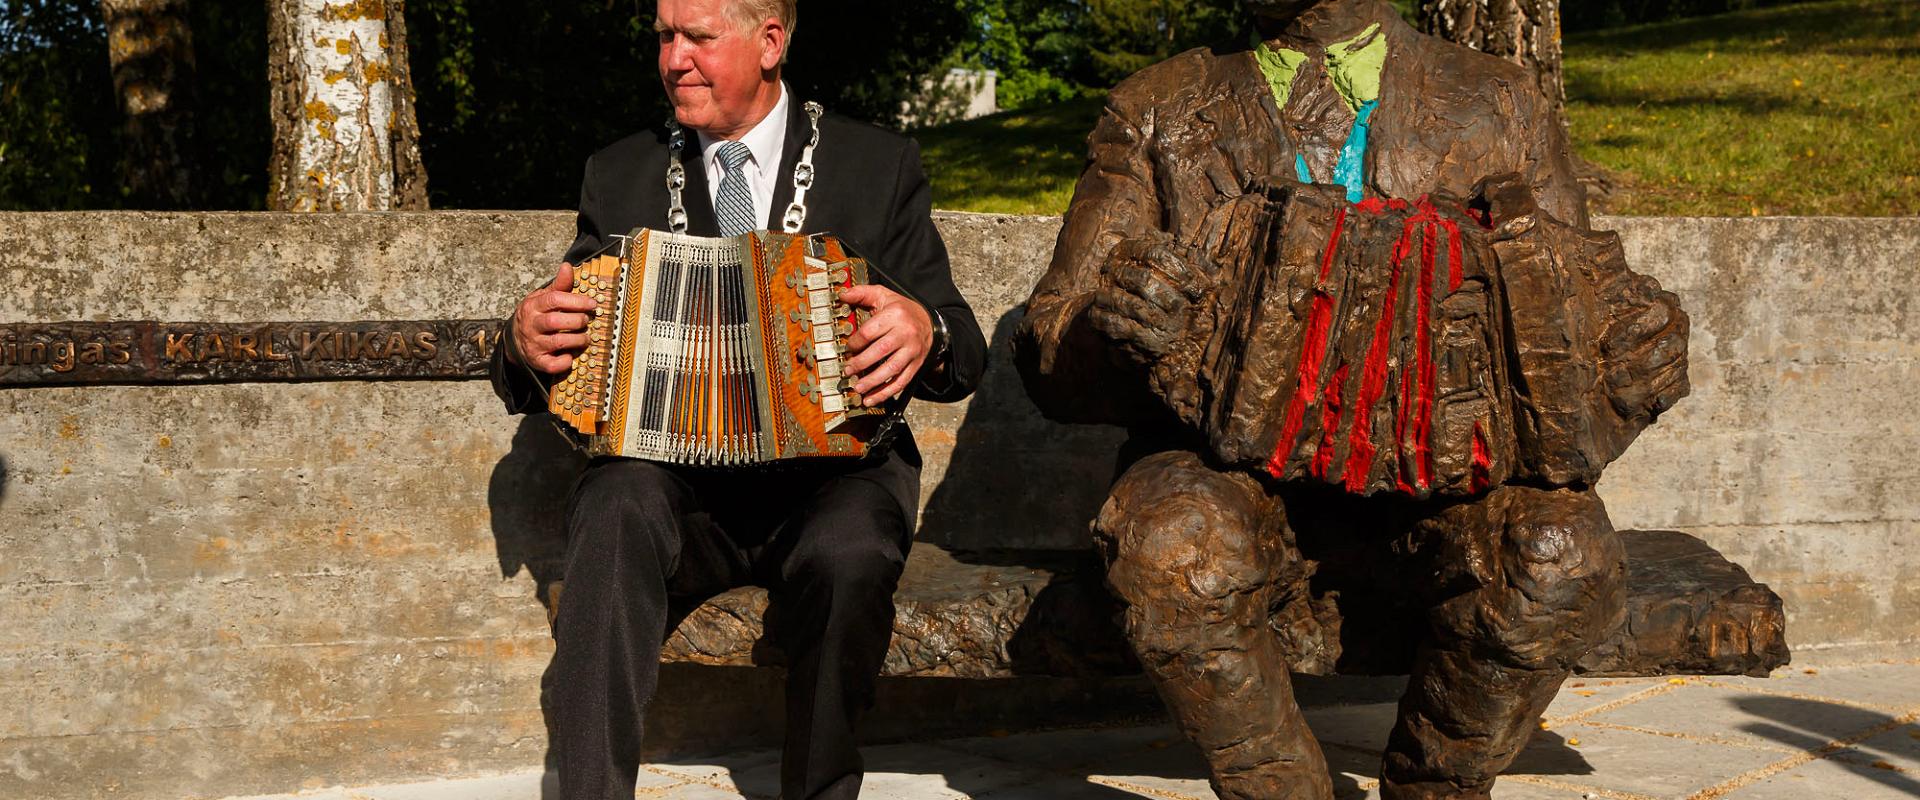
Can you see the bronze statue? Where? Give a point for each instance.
(1339, 283)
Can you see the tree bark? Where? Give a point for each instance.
(1526, 32)
(344, 133)
(150, 49)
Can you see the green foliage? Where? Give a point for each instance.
(514, 97)
(1049, 51)
(60, 122)
(57, 119)
(1130, 35)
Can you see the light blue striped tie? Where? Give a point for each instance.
(733, 204)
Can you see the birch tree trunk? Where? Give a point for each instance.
(344, 133)
(150, 49)
(1526, 32)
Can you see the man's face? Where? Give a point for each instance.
(1279, 10)
(712, 69)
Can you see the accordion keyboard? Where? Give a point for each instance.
(580, 398)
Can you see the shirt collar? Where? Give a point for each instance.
(765, 141)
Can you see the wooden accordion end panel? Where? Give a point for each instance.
(720, 351)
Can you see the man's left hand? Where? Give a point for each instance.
(891, 346)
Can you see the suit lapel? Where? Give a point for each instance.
(798, 131)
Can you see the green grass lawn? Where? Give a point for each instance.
(1014, 162)
(1802, 109)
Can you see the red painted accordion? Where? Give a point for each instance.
(1403, 347)
(719, 351)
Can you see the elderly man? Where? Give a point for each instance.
(648, 542)
(1485, 565)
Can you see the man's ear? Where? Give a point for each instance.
(773, 44)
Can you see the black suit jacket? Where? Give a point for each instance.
(869, 189)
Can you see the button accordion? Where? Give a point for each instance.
(720, 351)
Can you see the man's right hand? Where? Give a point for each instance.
(549, 326)
(1147, 302)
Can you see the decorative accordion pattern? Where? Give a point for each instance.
(719, 351)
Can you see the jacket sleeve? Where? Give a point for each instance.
(1072, 372)
(518, 386)
(915, 258)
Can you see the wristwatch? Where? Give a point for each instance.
(941, 338)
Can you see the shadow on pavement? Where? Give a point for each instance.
(1812, 725)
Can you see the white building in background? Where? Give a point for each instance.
(959, 94)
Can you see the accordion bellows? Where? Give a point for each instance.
(1403, 347)
(719, 351)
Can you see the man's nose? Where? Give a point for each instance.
(676, 55)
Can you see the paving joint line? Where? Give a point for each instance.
(1696, 737)
(1806, 757)
(1643, 694)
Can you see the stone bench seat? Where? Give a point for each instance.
(1004, 614)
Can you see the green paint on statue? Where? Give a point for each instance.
(1356, 65)
(1280, 66)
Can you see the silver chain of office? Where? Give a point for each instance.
(796, 214)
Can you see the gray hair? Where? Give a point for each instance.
(748, 14)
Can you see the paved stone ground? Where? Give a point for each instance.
(1802, 734)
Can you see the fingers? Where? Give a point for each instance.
(881, 336)
(557, 321)
(1145, 283)
(1632, 332)
(557, 343)
(885, 365)
(1131, 306)
(552, 364)
(875, 328)
(1639, 395)
(1148, 343)
(888, 380)
(866, 295)
(563, 279)
(549, 300)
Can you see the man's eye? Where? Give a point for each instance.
(666, 37)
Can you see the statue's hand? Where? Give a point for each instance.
(1146, 302)
(1643, 349)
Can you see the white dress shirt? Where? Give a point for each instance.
(767, 141)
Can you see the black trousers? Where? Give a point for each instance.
(648, 543)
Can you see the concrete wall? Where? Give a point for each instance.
(223, 589)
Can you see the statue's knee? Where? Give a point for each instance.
(1560, 548)
(1561, 582)
(1183, 539)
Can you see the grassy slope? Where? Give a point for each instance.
(1014, 162)
(1803, 109)
(1734, 134)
